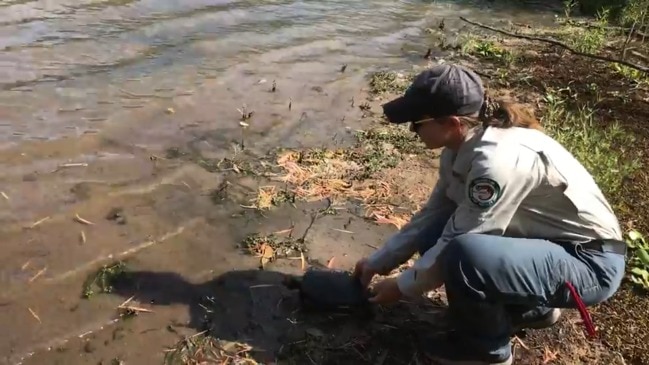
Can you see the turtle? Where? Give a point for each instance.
(330, 291)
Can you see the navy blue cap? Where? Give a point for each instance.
(440, 91)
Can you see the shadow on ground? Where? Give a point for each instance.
(253, 307)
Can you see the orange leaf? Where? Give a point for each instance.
(303, 261)
(330, 263)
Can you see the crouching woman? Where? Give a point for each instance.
(515, 228)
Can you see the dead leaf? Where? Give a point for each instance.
(303, 261)
(549, 356)
(267, 254)
(330, 263)
(520, 342)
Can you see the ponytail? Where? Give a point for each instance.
(500, 113)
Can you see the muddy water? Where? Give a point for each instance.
(92, 93)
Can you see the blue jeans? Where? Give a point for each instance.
(488, 277)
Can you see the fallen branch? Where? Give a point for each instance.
(559, 44)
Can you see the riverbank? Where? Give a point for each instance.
(188, 287)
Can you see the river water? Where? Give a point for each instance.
(93, 92)
(69, 67)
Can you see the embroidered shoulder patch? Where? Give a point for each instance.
(484, 192)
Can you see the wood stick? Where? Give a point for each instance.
(35, 315)
(38, 222)
(83, 221)
(41, 272)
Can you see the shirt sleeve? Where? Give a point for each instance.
(494, 191)
(402, 245)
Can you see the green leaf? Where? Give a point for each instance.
(640, 272)
(635, 237)
(643, 255)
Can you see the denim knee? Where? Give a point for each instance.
(461, 266)
(463, 248)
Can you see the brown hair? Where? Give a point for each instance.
(500, 113)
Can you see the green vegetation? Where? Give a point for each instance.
(262, 245)
(487, 49)
(589, 39)
(639, 261)
(104, 279)
(389, 82)
(604, 151)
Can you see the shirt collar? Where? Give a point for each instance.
(464, 155)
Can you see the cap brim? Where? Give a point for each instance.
(402, 110)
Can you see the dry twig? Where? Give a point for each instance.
(38, 222)
(38, 274)
(82, 220)
(34, 315)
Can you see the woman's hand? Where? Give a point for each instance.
(386, 292)
(363, 272)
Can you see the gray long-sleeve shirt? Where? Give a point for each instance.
(513, 182)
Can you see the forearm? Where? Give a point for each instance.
(421, 233)
(400, 247)
(425, 275)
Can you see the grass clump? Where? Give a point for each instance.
(383, 82)
(584, 39)
(605, 151)
(630, 73)
(104, 279)
(487, 50)
(255, 244)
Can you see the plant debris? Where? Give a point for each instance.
(383, 82)
(269, 248)
(202, 349)
(104, 279)
(369, 173)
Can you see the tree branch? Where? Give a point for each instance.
(559, 44)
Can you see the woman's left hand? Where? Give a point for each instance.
(386, 292)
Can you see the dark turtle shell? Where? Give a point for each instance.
(330, 290)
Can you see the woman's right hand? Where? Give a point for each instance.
(363, 271)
